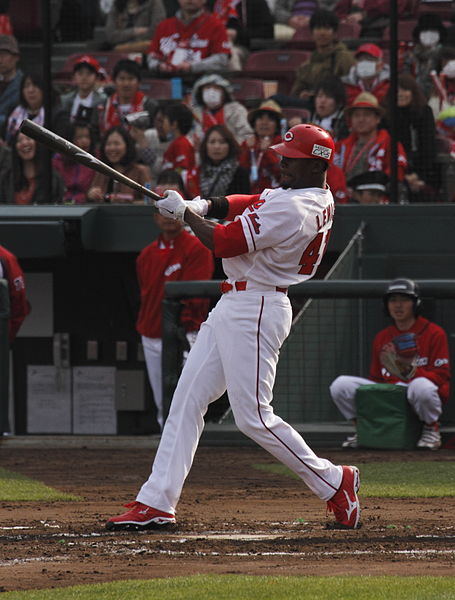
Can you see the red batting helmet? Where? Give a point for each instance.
(306, 141)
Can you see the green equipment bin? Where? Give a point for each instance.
(385, 419)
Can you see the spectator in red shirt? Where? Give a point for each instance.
(194, 40)
(367, 148)
(180, 155)
(368, 74)
(261, 162)
(175, 256)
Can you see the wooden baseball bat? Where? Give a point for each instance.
(59, 144)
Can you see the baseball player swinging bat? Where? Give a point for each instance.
(59, 144)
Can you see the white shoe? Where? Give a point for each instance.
(350, 442)
(430, 438)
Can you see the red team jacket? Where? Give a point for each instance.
(202, 37)
(183, 259)
(180, 155)
(433, 355)
(19, 307)
(378, 154)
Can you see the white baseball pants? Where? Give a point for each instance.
(237, 349)
(422, 395)
(153, 348)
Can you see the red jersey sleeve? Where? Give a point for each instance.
(229, 240)
(437, 368)
(238, 203)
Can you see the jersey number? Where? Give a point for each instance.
(312, 253)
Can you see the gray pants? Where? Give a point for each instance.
(422, 395)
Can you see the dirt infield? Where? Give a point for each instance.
(231, 519)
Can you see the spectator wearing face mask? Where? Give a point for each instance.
(368, 74)
(429, 36)
(214, 104)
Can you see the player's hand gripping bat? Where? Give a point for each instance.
(59, 144)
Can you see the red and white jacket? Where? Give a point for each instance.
(184, 258)
(433, 355)
(175, 42)
(19, 307)
(378, 154)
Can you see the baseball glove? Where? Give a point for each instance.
(399, 356)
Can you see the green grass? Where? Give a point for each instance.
(395, 479)
(232, 587)
(15, 487)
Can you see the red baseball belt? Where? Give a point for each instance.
(241, 286)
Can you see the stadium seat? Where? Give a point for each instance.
(445, 9)
(247, 90)
(404, 31)
(160, 89)
(275, 60)
(279, 65)
(26, 19)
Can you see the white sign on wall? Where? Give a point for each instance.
(94, 410)
(48, 399)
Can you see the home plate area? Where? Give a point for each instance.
(231, 518)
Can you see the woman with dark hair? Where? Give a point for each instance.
(29, 173)
(118, 151)
(77, 177)
(329, 103)
(133, 22)
(416, 130)
(220, 173)
(31, 106)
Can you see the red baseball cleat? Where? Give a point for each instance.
(141, 516)
(345, 504)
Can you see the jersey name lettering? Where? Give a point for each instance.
(254, 218)
(327, 215)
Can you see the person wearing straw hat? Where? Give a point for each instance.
(367, 148)
(262, 163)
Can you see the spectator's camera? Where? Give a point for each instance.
(139, 119)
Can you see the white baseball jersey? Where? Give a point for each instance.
(279, 238)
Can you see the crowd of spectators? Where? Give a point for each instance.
(216, 143)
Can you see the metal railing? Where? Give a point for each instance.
(313, 406)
